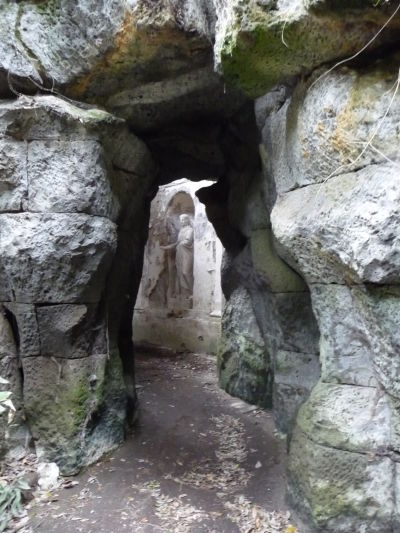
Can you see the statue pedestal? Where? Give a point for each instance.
(179, 303)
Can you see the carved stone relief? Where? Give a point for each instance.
(181, 273)
(171, 239)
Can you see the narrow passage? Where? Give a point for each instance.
(199, 461)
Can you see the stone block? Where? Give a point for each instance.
(277, 275)
(117, 31)
(318, 131)
(243, 362)
(239, 316)
(53, 35)
(340, 491)
(71, 331)
(248, 43)
(295, 374)
(359, 334)
(69, 177)
(299, 328)
(352, 418)
(296, 369)
(26, 327)
(6, 291)
(383, 313)
(347, 353)
(75, 408)
(55, 258)
(13, 57)
(13, 175)
(46, 117)
(396, 514)
(343, 230)
(264, 305)
(129, 154)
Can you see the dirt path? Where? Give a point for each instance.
(199, 461)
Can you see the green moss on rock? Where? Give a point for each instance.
(244, 371)
(278, 276)
(75, 405)
(75, 418)
(340, 491)
(262, 48)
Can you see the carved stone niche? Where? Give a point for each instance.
(179, 302)
(172, 282)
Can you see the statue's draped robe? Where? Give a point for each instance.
(184, 260)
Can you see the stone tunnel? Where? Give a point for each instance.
(293, 107)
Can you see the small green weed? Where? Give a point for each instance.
(11, 501)
(5, 402)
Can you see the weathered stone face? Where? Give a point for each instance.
(63, 210)
(266, 300)
(126, 44)
(336, 221)
(341, 491)
(50, 249)
(244, 366)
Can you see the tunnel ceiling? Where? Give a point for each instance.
(179, 72)
(156, 61)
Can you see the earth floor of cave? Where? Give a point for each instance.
(198, 461)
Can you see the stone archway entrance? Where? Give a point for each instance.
(163, 317)
(78, 390)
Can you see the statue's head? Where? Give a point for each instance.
(184, 220)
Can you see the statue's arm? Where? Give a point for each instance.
(168, 246)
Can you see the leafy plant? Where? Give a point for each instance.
(11, 493)
(11, 501)
(6, 404)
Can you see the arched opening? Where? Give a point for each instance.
(179, 301)
(82, 314)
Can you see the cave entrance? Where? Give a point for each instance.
(179, 303)
(202, 458)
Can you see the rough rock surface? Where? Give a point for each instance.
(53, 42)
(269, 345)
(244, 367)
(261, 43)
(60, 227)
(306, 207)
(336, 220)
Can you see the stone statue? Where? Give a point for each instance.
(183, 258)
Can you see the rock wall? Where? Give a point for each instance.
(334, 160)
(67, 175)
(261, 43)
(269, 347)
(306, 206)
(330, 159)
